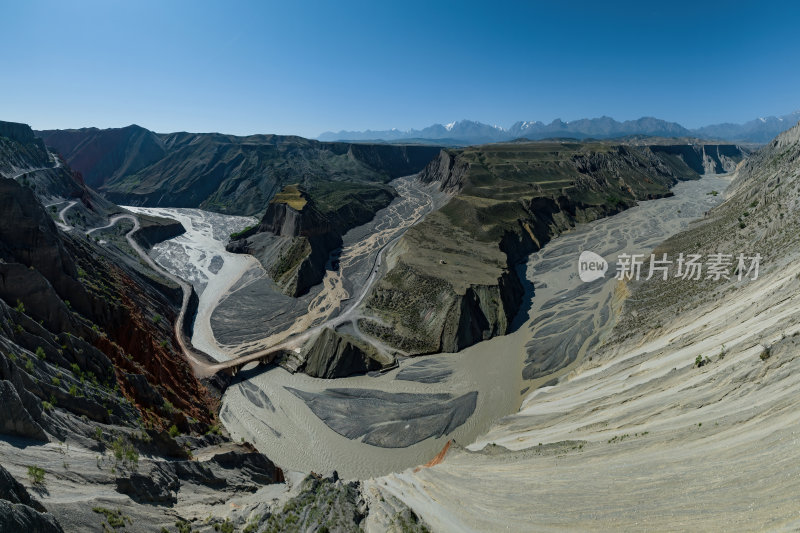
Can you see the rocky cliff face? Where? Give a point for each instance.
(447, 170)
(20, 512)
(101, 155)
(102, 317)
(300, 230)
(21, 133)
(452, 279)
(705, 158)
(88, 358)
(336, 355)
(284, 221)
(153, 231)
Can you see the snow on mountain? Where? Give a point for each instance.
(760, 130)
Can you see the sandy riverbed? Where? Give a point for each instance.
(492, 368)
(199, 257)
(263, 411)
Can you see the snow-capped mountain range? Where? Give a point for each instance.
(760, 130)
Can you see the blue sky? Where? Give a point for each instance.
(306, 67)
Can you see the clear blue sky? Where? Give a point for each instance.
(306, 67)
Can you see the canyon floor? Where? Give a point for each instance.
(364, 426)
(626, 428)
(637, 435)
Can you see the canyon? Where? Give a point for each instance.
(425, 327)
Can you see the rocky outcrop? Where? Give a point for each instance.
(236, 471)
(322, 504)
(300, 229)
(452, 279)
(705, 158)
(252, 469)
(20, 512)
(13, 491)
(154, 230)
(16, 419)
(285, 221)
(447, 170)
(159, 486)
(17, 517)
(336, 355)
(29, 236)
(21, 133)
(438, 316)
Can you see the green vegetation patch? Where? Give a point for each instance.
(290, 259)
(36, 475)
(322, 505)
(292, 196)
(335, 196)
(113, 519)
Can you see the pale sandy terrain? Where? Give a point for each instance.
(639, 438)
(199, 257)
(634, 436)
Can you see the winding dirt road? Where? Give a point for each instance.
(56, 164)
(295, 343)
(203, 364)
(199, 365)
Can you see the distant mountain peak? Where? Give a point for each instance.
(464, 131)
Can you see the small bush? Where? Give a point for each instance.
(115, 519)
(156, 318)
(20, 306)
(29, 365)
(168, 407)
(224, 527)
(125, 452)
(765, 353)
(55, 381)
(40, 353)
(36, 475)
(174, 431)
